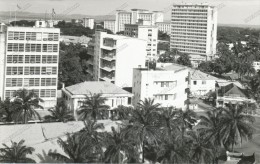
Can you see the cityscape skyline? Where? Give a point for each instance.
(244, 12)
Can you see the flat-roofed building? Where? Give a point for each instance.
(194, 29)
(88, 22)
(110, 25)
(122, 18)
(166, 85)
(31, 61)
(164, 27)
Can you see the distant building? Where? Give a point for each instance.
(166, 85)
(256, 65)
(231, 93)
(122, 18)
(114, 57)
(76, 21)
(194, 30)
(88, 22)
(30, 60)
(148, 33)
(75, 94)
(110, 25)
(164, 27)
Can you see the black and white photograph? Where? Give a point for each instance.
(130, 81)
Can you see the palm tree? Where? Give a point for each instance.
(17, 153)
(117, 147)
(59, 113)
(25, 103)
(123, 112)
(201, 150)
(76, 148)
(45, 158)
(6, 110)
(94, 106)
(235, 125)
(144, 124)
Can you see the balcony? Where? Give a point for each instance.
(106, 78)
(109, 56)
(108, 68)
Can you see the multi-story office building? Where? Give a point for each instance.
(122, 18)
(88, 22)
(31, 61)
(166, 85)
(164, 27)
(194, 29)
(114, 57)
(148, 33)
(110, 25)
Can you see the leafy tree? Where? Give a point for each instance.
(123, 112)
(169, 56)
(184, 59)
(60, 113)
(77, 150)
(144, 125)
(6, 111)
(206, 66)
(118, 148)
(163, 46)
(24, 104)
(163, 36)
(24, 23)
(235, 125)
(16, 153)
(93, 107)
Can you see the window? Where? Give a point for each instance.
(30, 82)
(174, 96)
(34, 36)
(33, 48)
(203, 82)
(49, 59)
(48, 93)
(50, 48)
(14, 82)
(32, 59)
(31, 70)
(194, 82)
(48, 81)
(9, 93)
(50, 36)
(15, 35)
(14, 70)
(14, 58)
(49, 70)
(15, 47)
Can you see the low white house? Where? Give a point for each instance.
(75, 94)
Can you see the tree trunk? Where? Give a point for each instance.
(143, 152)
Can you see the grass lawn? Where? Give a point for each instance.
(253, 146)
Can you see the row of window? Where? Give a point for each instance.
(189, 20)
(187, 37)
(186, 33)
(188, 50)
(39, 93)
(19, 47)
(30, 82)
(189, 30)
(38, 36)
(166, 83)
(189, 10)
(189, 27)
(32, 59)
(166, 97)
(189, 47)
(31, 70)
(192, 44)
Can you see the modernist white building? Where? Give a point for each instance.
(88, 22)
(110, 25)
(148, 33)
(114, 57)
(194, 29)
(122, 18)
(75, 94)
(30, 60)
(164, 27)
(166, 85)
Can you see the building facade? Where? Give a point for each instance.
(167, 86)
(164, 27)
(88, 22)
(122, 18)
(115, 96)
(114, 57)
(148, 33)
(110, 25)
(194, 29)
(31, 61)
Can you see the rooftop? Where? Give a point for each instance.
(95, 87)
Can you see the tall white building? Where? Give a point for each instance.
(88, 22)
(110, 25)
(166, 85)
(194, 29)
(122, 18)
(164, 27)
(31, 61)
(148, 33)
(114, 57)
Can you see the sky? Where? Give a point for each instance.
(246, 12)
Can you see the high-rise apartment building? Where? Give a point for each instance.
(30, 60)
(145, 32)
(110, 25)
(194, 29)
(113, 58)
(88, 22)
(122, 18)
(164, 27)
